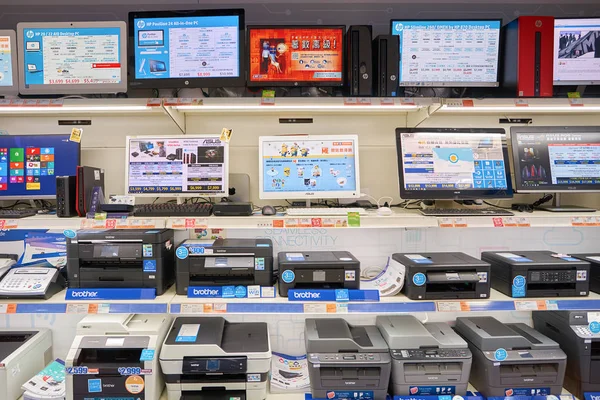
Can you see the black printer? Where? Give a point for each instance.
(121, 258)
(538, 273)
(224, 262)
(432, 276)
(317, 269)
(570, 329)
(594, 260)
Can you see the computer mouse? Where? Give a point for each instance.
(171, 157)
(268, 210)
(135, 154)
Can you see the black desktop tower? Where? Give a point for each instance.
(87, 179)
(179, 153)
(386, 61)
(360, 60)
(66, 196)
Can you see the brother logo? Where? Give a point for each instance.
(592, 397)
(206, 292)
(528, 380)
(85, 293)
(350, 383)
(307, 295)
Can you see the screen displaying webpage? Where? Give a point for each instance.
(296, 54)
(187, 47)
(444, 53)
(550, 159)
(176, 165)
(6, 57)
(577, 51)
(309, 165)
(453, 161)
(72, 56)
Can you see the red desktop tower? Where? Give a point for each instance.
(528, 58)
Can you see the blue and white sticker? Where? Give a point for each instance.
(147, 355)
(518, 286)
(342, 295)
(259, 264)
(288, 276)
(149, 265)
(514, 257)
(594, 327)
(500, 354)
(188, 333)
(94, 385)
(419, 279)
(240, 292)
(182, 252)
(294, 256)
(419, 259)
(253, 377)
(147, 250)
(228, 292)
(69, 233)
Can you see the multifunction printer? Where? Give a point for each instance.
(571, 329)
(538, 273)
(427, 359)
(594, 260)
(22, 355)
(116, 356)
(317, 269)
(215, 359)
(344, 359)
(432, 276)
(224, 262)
(121, 258)
(512, 359)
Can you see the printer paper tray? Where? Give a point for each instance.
(537, 373)
(457, 277)
(213, 395)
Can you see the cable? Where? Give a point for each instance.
(496, 205)
(388, 280)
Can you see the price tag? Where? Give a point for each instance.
(510, 222)
(268, 98)
(30, 103)
(8, 224)
(350, 101)
(445, 222)
(575, 102)
(184, 101)
(364, 101)
(278, 223)
(498, 222)
(530, 305)
(460, 222)
(77, 308)
(192, 308)
(17, 102)
(331, 308)
(407, 101)
(56, 103)
(4, 102)
(171, 101)
(43, 103)
(591, 221)
(521, 103)
(111, 224)
(389, 101)
(453, 306)
(304, 222)
(523, 222)
(153, 102)
(315, 308)
(341, 308)
(577, 221)
(316, 222)
(3, 308)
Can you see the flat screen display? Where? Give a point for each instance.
(191, 48)
(441, 163)
(296, 56)
(8, 53)
(448, 53)
(309, 166)
(577, 51)
(29, 164)
(556, 159)
(177, 166)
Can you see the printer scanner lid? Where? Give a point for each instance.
(489, 334)
(440, 259)
(121, 324)
(407, 332)
(12, 340)
(124, 235)
(335, 335)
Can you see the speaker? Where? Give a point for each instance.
(528, 65)
(386, 61)
(360, 60)
(87, 179)
(66, 196)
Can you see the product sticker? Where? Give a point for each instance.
(289, 373)
(452, 276)
(134, 384)
(518, 286)
(342, 295)
(294, 256)
(483, 277)
(253, 292)
(182, 253)
(147, 250)
(582, 275)
(509, 392)
(76, 134)
(188, 333)
(432, 390)
(226, 135)
(253, 377)
(115, 342)
(594, 258)
(228, 292)
(514, 257)
(69, 233)
(594, 327)
(565, 257)
(345, 259)
(345, 395)
(94, 385)
(419, 259)
(267, 291)
(500, 354)
(350, 276)
(259, 264)
(419, 279)
(147, 355)
(288, 276)
(149, 265)
(240, 292)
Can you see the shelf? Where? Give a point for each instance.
(78, 107)
(519, 106)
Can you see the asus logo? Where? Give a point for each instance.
(211, 141)
(456, 192)
(571, 188)
(310, 194)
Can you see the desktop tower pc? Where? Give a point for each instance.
(386, 61)
(360, 60)
(87, 179)
(66, 196)
(528, 56)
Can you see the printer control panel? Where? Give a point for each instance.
(553, 276)
(345, 357)
(425, 354)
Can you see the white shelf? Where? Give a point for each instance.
(519, 106)
(83, 107)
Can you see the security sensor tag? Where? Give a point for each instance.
(76, 134)
(226, 135)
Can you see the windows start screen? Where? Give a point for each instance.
(25, 166)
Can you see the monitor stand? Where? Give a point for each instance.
(557, 207)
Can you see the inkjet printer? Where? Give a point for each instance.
(121, 258)
(427, 359)
(432, 276)
(318, 269)
(571, 330)
(116, 356)
(538, 274)
(512, 359)
(22, 355)
(211, 358)
(344, 359)
(594, 260)
(224, 262)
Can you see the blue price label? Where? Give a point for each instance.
(129, 370)
(76, 370)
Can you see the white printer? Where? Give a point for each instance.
(116, 356)
(213, 359)
(22, 355)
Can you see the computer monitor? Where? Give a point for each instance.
(72, 57)
(454, 53)
(187, 49)
(577, 51)
(453, 163)
(29, 165)
(296, 55)
(309, 167)
(9, 83)
(177, 166)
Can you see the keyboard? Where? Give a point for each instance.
(18, 213)
(323, 211)
(466, 212)
(173, 210)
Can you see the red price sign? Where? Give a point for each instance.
(190, 223)
(498, 222)
(111, 224)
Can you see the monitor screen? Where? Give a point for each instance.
(296, 56)
(556, 159)
(8, 63)
(173, 166)
(187, 49)
(449, 163)
(448, 53)
(304, 167)
(577, 51)
(29, 164)
(72, 58)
